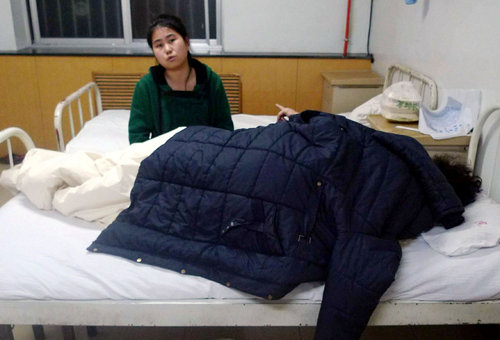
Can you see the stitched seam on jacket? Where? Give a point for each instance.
(205, 175)
(162, 182)
(228, 181)
(253, 149)
(375, 198)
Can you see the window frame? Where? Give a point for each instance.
(197, 45)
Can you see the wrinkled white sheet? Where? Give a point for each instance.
(88, 185)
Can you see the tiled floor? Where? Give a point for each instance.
(469, 332)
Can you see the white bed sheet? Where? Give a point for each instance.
(45, 258)
(114, 125)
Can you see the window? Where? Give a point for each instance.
(119, 22)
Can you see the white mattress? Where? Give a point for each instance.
(113, 124)
(45, 258)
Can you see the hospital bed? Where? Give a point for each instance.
(49, 278)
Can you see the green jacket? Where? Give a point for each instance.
(157, 109)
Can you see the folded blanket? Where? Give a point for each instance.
(87, 185)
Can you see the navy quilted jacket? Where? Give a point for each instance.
(262, 210)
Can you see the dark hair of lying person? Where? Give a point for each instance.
(461, 178)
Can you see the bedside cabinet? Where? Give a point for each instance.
(457, 146)
(345, 90)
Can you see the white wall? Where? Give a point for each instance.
(456, 42)
(7, 37)
(293, 26)
(13, 25)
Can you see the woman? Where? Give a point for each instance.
(180, 91)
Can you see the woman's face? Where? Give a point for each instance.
(169, 48)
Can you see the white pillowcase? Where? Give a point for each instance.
(371, 107)
(481, 229)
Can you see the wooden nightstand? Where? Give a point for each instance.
(456, 146)
(345, 90)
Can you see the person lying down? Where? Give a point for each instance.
(313, 198)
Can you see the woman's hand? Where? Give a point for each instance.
(285, 112)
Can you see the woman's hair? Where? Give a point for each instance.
(461, 178)
(170, 21)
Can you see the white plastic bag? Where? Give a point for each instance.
(401, 102)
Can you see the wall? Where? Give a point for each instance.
(7, 38)
(13, 25)
(293, 25)
(456, 42)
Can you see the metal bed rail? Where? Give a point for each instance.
(65, 107)
(15, 132)
(476, 134)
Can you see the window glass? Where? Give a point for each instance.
(80, 18)
(192, 13)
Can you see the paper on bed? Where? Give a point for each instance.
(456, 118)
(481, 229)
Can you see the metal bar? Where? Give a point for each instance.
(91, 105)
(80, 113)
(207, 23)
(9, 151)
(218, 25)
(127, 21)
(71, 123)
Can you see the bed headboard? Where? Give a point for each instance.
(117, 89)
(424, 84)
(232, 85)
(484, 151)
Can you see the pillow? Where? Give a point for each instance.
(360, 113)
(481, 229)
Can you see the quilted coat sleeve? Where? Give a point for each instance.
(361, 268)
